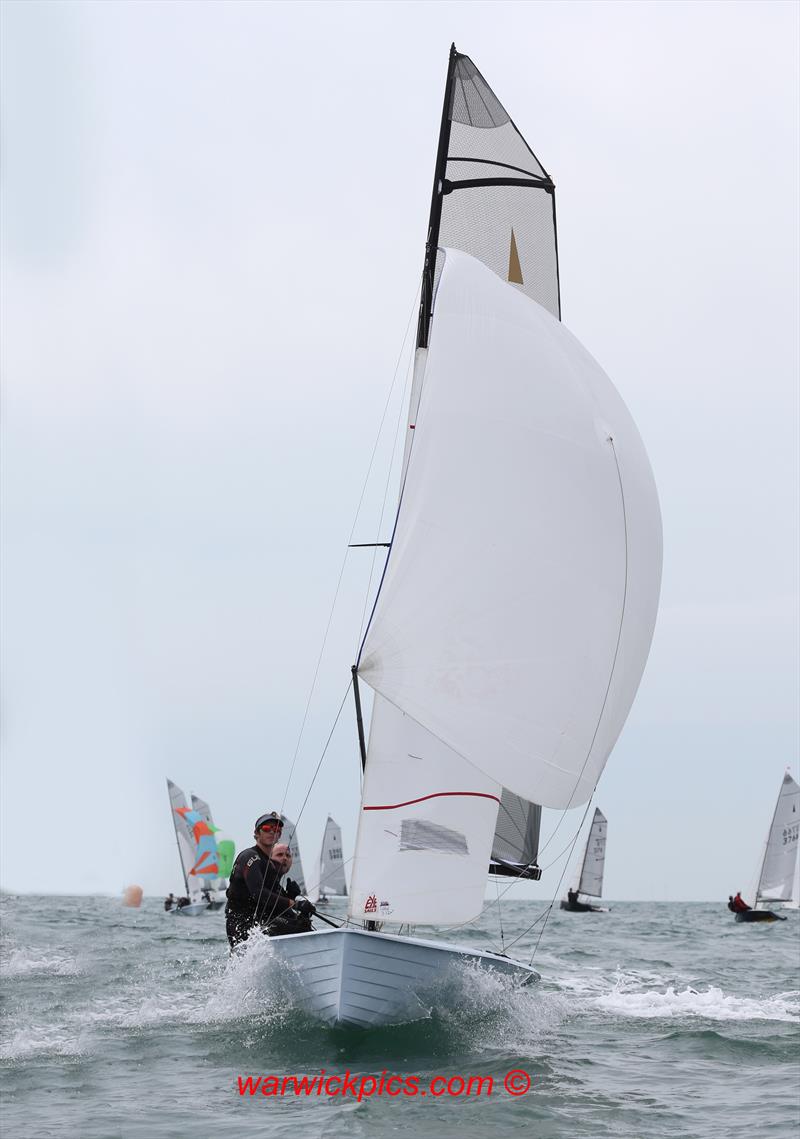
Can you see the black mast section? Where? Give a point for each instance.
(426, 299)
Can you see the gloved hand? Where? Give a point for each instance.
(292, 889)
(304, 907)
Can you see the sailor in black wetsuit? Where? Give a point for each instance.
(255, 896)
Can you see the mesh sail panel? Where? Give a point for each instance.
(516, 838)
(492, 197)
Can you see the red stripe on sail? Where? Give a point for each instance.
(436, 795)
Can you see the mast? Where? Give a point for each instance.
(435, 216)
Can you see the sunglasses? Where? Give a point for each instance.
(271, 827)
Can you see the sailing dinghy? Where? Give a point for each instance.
(589, 882)
(780, 856)
(187, 851)
(519, 595)
(332, 882)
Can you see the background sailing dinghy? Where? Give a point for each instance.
(187, 851)
(332, 882)
(226, 852)
(519, 595)
(780, 855)
(589, 880)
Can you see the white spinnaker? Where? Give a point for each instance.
(186, 843)
(520, 594)
(590, 879)
(331, 861)
(780, 856)
(289, 836)
(425, 829)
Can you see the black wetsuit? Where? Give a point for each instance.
(255, 894)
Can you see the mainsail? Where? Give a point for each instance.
(780, 855)
(519, 597)
(516, 838)
(184, 835)
(226, 848)
(590, 877)
(492, 198)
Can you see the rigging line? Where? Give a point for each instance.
(409, 374)
(616, 649)
(549, 909)
(313, 779)
(500, 916)
(344, 559)
(318, 885)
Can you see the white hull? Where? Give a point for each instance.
(351, 976)
(191, 911)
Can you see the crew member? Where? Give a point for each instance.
(298, 919)
(254, 894)
(739, 904)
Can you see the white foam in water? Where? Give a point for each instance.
(41, 1040)
(254, 980)
(709, 1004)
(29, 962)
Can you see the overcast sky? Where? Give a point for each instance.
(213, 226)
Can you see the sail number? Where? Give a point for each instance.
(790, 834)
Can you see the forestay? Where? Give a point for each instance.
(780, 856)
(520, 594)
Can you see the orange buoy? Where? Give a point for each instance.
(132, 896)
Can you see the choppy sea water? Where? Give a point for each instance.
(651, 1020)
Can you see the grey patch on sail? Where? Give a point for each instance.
(474, 102)
(420, 834)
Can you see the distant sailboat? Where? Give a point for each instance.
(589, 880)
(332, 882)
(780, 856)
(187, 850)
(519, 595)
(226, 851)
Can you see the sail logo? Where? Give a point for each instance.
(371, 904)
